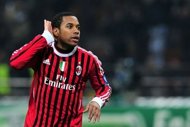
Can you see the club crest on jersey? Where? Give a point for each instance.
(62, 65)
(78, 70)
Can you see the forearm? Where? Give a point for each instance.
(103, 97)
(100, 84)
(24, 57)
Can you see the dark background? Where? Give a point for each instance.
(143, 44)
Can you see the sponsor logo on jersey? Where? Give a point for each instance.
(46, 62)
(58, 84)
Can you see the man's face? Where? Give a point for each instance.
(68, 34)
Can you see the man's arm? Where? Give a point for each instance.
(24, 57)
(102, 89)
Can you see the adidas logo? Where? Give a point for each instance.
(46, 62)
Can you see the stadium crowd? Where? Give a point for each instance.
(144, 44)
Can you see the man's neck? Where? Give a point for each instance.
(63, 49)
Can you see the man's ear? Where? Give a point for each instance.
(55, 32)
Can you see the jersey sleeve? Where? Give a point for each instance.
(27, 55)
(99, 83)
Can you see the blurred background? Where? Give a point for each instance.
(144, 46)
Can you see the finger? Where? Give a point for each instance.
(44, 23)
(99, 116)
(90, 112)
(86, 109)
(96, 116)
(93, 113)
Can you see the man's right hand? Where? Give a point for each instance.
(47, 26)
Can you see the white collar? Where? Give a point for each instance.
(63, 54)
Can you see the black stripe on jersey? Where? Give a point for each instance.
(37, 87)
(87, 68)
(63, 96)
(103, 87)
(51, 92)
(45, 93)
(77, 85)
(72, 82)
(83, 70)
(87, 65)
(25, 50)
(56, 101)
(42, 69)
(97, 69)
(40, 93)
(74, 95)
(79, 122)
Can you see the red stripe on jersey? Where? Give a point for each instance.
(51, 97)
(78, 108)
(42, 92)
(75, 81)
(39, 77)
(67, 98)
(61, 113)
(45, 91)
(55, 103)
(70, 98)
(75, 105)
(43, 69)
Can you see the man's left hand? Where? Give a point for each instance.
(94, 111)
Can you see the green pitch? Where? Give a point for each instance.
(12, 113)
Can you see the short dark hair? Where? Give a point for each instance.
(57, 19)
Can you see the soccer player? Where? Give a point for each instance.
(61, 70)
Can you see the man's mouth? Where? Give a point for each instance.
(75, 39)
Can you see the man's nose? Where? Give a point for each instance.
(76, 31)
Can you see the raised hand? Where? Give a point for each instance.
(47, 26)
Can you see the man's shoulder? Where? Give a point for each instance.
(90, 53)
(83, 50)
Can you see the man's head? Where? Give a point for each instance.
(66, 29)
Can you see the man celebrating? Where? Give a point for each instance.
(61, 70)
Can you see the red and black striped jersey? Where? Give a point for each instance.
(58, 82)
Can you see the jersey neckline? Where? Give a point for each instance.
(63, 54)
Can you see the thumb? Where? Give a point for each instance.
(86, 109)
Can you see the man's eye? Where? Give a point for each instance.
(69, 26)
(78, 27)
